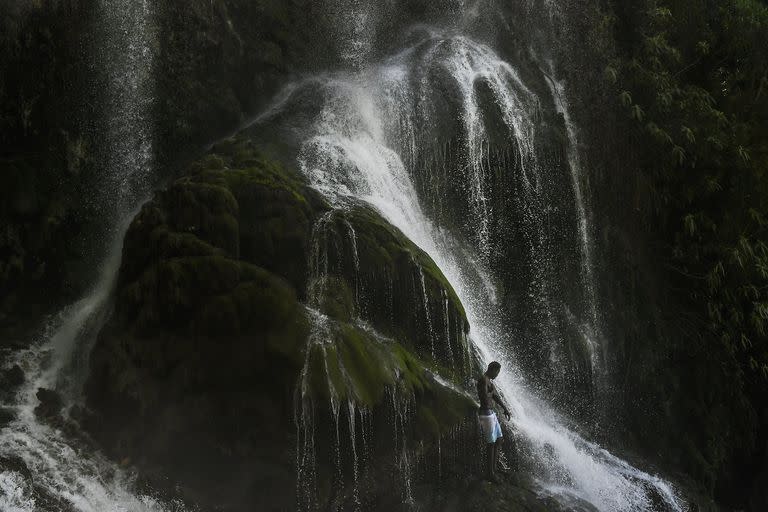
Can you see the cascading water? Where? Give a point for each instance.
(592, 333)
(361, 145)
(67, 473)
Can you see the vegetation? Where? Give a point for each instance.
(691, 77)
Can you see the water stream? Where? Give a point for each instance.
(354, 149)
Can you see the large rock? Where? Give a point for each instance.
(243, 295)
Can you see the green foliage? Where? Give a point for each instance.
(693, 77)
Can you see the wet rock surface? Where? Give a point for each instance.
(514, 494)
(11, 378)
(198, 367)
(50, 404)
(6, 416)
(15, 464)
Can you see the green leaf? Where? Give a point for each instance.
(688, 134)
(736, 255)
(679, 154)
(713, 184)
(746, 343)
(743, 153)
(745, 247)
(690, 224)
(715, 142)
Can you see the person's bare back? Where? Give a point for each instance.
(485, 392)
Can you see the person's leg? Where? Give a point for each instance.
(491, 461)
(496, 451)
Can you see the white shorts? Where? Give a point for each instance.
(490, 427)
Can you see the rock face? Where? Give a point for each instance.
(217, 61)
(43, 160)
(50, 403)
(242, 295)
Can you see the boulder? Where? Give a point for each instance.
(50, 403)
(15, 464)
(11, 378)
(6, 416)
(243, 297)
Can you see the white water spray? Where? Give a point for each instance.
(347, 155)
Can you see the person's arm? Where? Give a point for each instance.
(482, 392)
(498, 400)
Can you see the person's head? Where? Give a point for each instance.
(493, 370)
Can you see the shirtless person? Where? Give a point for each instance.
(487, 417)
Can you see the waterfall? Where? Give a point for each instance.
(360, 146)
(126, 50)
(592, 334)
(400, 133)
(74, 477)
(67, 473)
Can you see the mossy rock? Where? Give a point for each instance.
(238, 282)
(350, 362)
(394, 284)
(225, 250)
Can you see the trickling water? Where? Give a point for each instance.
(351, 408)
(366, 420)
(447, 323)
(401, 417)
(351, 151)
(557, 89)
(322, 338)
(427, 314)
(304, 417)
(354, 22)
(124, 48)
(318, 260)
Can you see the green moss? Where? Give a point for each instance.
(266, 174)
(266, 305)
(335, 373)
(426, 421)
(218, 265)
(357, 365)
(219, 317)
(412, 372)
(431, 271)
(389, 245)
(215, 197)
(170, 244)
(336, 298)
(367, 375)
(212, 162)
